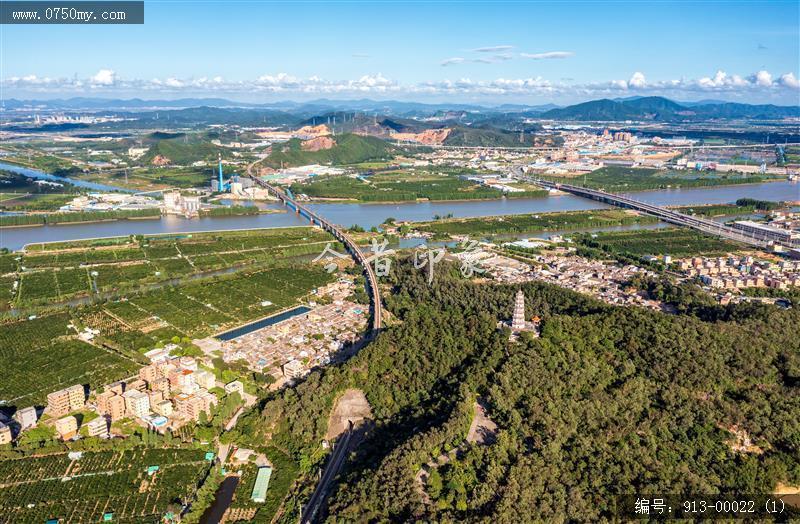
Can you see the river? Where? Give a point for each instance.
(368, 215)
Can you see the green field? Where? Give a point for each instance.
(668, 241)
(43, 355)
(34, 489)
(634, 179)
(218, 280)
(532, 223)
(65, 270)
(405, 185)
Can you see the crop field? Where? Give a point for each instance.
(80, 491)
(199, 309)
(63, 271)
(45, 356)
(532, 223)
(632, 179)
(677, 242)
(397, 186)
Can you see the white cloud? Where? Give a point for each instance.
(757, 85)
(763, 78)
(451, 61)
(637, 81)
(548, 55)
(790, 81)
(104, 77)
(493, 49)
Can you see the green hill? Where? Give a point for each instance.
(662, 109)
(182, 151)
(481, 137)
(348, 149)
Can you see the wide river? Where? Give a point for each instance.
(368, 215)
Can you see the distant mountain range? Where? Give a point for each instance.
(657, 108)
(311, 107)
(652, 108)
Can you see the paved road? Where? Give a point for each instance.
(340, 451)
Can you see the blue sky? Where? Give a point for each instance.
(531, 52)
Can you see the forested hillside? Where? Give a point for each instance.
(607, 401)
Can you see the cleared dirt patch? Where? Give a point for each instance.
(353, 407)
(483, 429)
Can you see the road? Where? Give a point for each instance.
(667, 215)
(352, 248)
(340, 451)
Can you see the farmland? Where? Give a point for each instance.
(36, 489)
(615, 178)
(137, 323)
(677, 242)
(45, 355)
(59, 272)
(155, 289)
(399, 186)
(284, 471)
(532, 223)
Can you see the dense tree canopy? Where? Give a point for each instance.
(608, 401)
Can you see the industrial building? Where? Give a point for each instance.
(762, 231)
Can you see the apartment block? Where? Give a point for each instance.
(205, 379)
(5, 434)
(149, 373)
(160, 384)
(67, 427)
(26, 417)
(116, 407)
(98, 427)
(65, 400)
(163, 408)
(137, 404)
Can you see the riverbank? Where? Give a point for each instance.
(374, 214)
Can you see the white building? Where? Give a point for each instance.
(137, 403)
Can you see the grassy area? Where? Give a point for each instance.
(716, 210)
(677, 242)
(77, 216)
(100, 483)
(533, 223)
(632, 179)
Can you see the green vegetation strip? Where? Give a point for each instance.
(533, 223)
(634, 179)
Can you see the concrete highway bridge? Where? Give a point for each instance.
(704, 225)
(372, 280)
